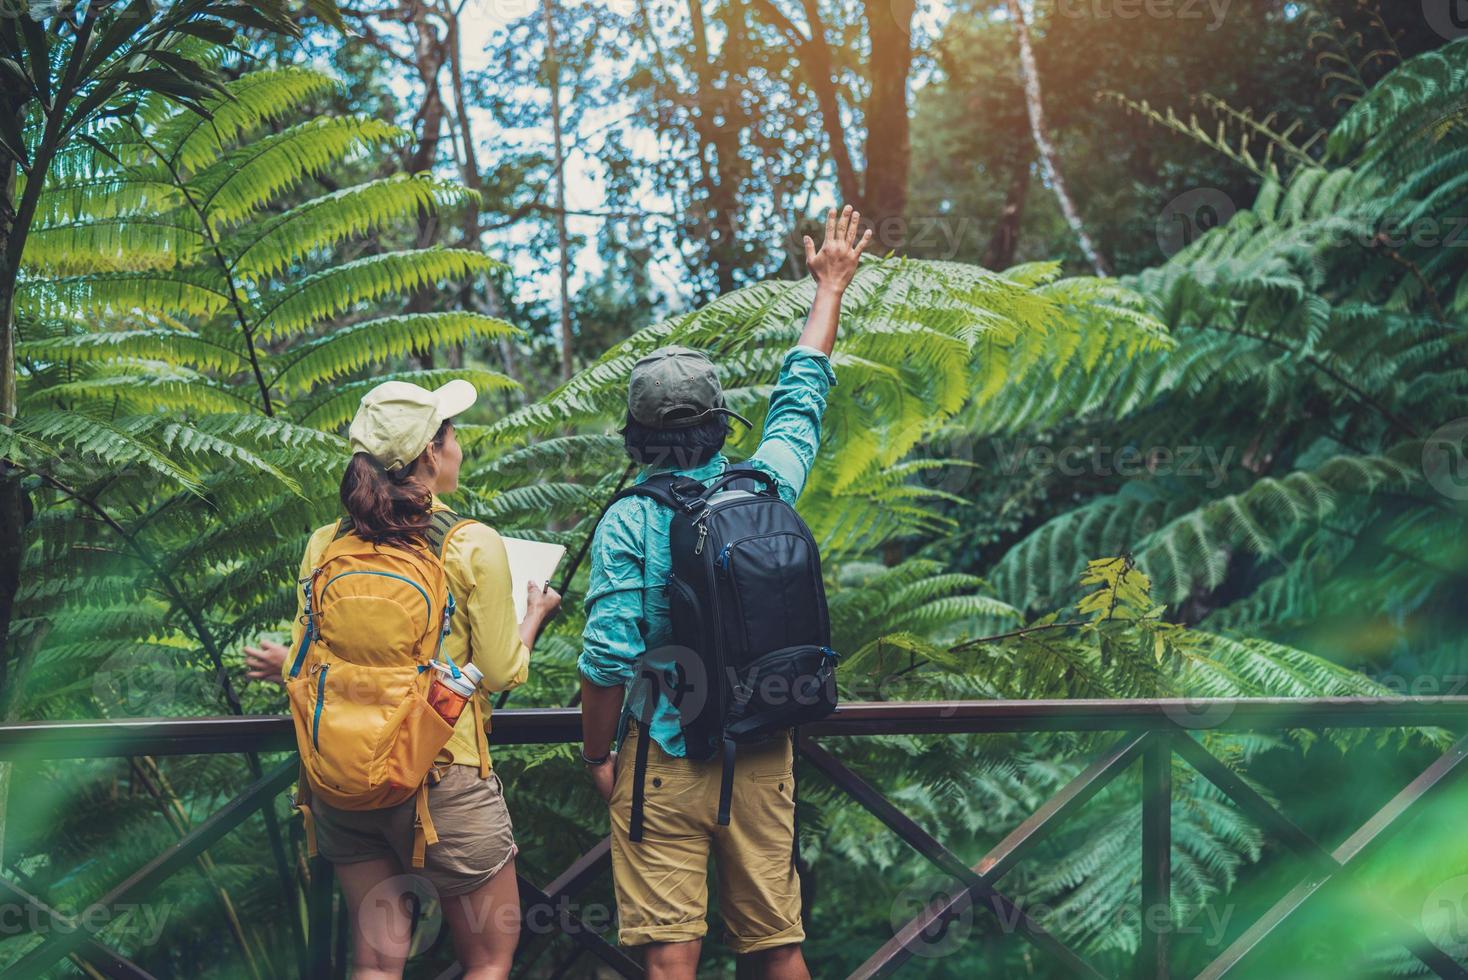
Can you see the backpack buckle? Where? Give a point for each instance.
(689, 494)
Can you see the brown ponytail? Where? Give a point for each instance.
(388, 507)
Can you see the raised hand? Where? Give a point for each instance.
(835, 264)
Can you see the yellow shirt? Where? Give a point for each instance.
(485, 631)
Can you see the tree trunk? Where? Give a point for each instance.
(888, 147)
(553, 70)
(10, 240)
(15, 510)
(720, 165)
(1034, 103)
(12, 501)
(999, 254)
(469, 171)
(814, 55)
(430, 53)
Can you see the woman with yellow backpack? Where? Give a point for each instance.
(403, 609)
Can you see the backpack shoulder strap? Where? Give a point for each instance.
(673, 491)
(442, 525)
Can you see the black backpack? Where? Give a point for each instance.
(751, 635)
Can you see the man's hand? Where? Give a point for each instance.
(604, 777)
(833, 268)
(835, 264)
(264, 662)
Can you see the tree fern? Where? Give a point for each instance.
(191, 348)
(1317, 343)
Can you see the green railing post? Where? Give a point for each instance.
(1156, 917)
(319, 917)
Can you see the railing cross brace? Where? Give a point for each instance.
(1008, 852)
(1332, 867)
(103, 958)
(140, 882)
(978, 887)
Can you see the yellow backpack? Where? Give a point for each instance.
(375, 619)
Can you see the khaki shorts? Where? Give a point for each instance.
(475, 837)
(662, 881)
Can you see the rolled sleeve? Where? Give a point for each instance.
(489, 607)
(792, 434)
(612, 640)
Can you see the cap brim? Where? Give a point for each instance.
(689, 421)
(734, 415)
(454, 398)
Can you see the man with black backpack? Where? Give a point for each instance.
(706, 641)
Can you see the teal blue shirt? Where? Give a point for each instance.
(626, 608)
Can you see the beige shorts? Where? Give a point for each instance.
(662, 881)
(475, 837)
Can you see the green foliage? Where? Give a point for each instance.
(199, 319)
(1331, 308)
(918, 341)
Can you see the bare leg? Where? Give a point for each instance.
(780, 963)
(381, 924)
(485, 925)
(673, 961)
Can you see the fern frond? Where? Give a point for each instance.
(274, 244)
(348, 349)
(129, 243)
(192, 142)
(234, 186)
(344, 287)
(120, 294)
(178, 347)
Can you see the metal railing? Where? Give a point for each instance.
(1151, 733)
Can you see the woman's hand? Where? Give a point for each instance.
(540, 605)
(264, 662)
(835, 264)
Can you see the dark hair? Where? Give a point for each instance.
(681, 448)
(389, 506)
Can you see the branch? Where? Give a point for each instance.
(1024, 631)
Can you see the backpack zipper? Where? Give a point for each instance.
(428, 603)
(725, 564)
(718, 632)
(320, 699)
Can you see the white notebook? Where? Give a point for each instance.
(530, 561)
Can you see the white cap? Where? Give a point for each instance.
(397, 420)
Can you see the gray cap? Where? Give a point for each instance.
(676, 388)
